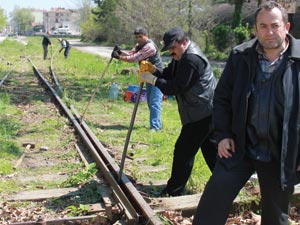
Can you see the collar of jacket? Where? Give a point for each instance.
(249, 46)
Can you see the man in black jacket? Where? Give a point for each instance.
(190, 78)
(46, 41)
(257, 116)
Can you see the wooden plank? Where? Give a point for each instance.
(189, 203)
(38, 195)
(184, 203)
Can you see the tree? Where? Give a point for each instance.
(3, 19)
(157, 16)
(22, 19)
(105, 18)
(89, 28)
(237, 15)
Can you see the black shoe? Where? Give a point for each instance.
(158, 194)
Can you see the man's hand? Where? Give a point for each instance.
(147, 66)
(226, 147)
(118, 49)
(147, 77)
(115, 54)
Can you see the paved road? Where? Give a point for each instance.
(106, 51)
(91, 48)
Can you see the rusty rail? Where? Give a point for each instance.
(136, 208)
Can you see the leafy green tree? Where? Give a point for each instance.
(3, 20)
(22, 19)
(106, 19)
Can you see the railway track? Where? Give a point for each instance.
(125, 204)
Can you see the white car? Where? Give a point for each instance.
(62, 31)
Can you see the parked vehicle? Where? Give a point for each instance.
(62, 31)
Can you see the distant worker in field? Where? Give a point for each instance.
(146, 49)
(190, 78)
(45, 43)
(64, 45)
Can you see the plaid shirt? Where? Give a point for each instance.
(146, 52)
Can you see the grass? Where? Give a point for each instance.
(109, 119)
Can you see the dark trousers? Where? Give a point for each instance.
(192, 137)
(225, 184)
(66, 52)
(45, 48)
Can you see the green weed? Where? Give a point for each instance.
(81, 177)
(5, 167)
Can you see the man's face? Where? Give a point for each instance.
(270, 29)
(177, 50)
(141, 38)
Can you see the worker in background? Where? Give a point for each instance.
(46, 42)
(64, 45)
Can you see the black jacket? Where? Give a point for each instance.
(192, 81)
(231, 102)
(46, 40)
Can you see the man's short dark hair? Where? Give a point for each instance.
(269, 5)
(140, 30)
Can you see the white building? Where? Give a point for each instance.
(61, 18)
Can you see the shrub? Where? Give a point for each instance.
(241, 33)
(222, 36)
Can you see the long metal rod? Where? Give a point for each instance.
(96, 89)
(130, 130)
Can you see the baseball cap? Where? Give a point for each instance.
(140, 30)
(170, 37)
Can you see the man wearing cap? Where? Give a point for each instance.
(145, 49)
(190, 78)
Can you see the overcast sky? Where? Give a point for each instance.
(9, 5)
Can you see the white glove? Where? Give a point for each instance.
(147, 77)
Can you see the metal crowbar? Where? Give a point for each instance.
(96, 89)
(129, 130)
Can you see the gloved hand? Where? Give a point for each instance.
(146, 66)
(118, 49)
(146, 77)
(115, 54)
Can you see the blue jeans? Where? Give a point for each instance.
(66, 52)
(154, 101)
